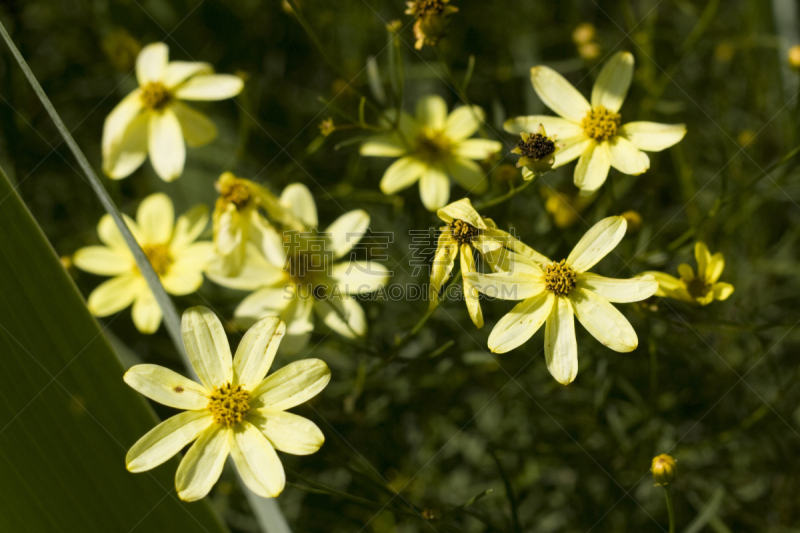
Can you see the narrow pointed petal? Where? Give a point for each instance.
(359, 277)
(203, 463)
(288, 432)
(603, 321)
(597, 243)
(179, 71)
(207, 346)
(146, 313)
(666, 284)
(104, 261)
(120, 118)
(619, 290)
(257, 462)
(715, 267)
(558, 94)
(613, 82)
(463, 122)
(722, 290)
(188, 228)
(442, 266)
(151, 63)
(560, 345)
(703, 257)
(626, 158)
(344, 315)
(571, 149)
(166, 146)
(519, 325)
(652, 136)
(506, 285)
(477, 149)
(592, 168)
(110, 235)
(471, 296)
(462, 210)
(167, 439)
(115, 294)
(122, 157)
(468, 174)
(166, 387)
(383, 146)
(292, 385)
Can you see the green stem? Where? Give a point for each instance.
(171, 319)
(500, 199)
(670, 508)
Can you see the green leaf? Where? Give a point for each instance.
(66, 416)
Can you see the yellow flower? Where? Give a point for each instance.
(233, 410)
(594, 132)
(700, 289)
(537, 153)
(431, 147)
(152, 119)
(663, 469)
(171, 248)
(467, 232)
(293, 274)
(236, 214)
(551, 292)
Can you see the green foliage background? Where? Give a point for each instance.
(414, 435)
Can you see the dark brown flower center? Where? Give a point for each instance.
(698, 288)
(559, 278)
(462, 232)
(421, 8)
(601, 124)
(537, 146)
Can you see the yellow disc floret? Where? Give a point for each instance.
(159, 256)
(601, 124)
(229, 404)
(432, 146)
(236, 192)
(155, 96)
(559, 278)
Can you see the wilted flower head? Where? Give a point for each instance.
(537, 153)
(431, 20)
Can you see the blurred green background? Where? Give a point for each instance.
(413, 437)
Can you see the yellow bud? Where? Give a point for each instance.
(794, 57)
(634, 220)
(663, 469)
(584, 33)
(590, 51)
(326, 127)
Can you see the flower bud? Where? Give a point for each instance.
(634, 220)
(537, 153)
(663, 469)
(794, 57)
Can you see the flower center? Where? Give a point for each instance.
(559, 278)
(236, 193)
(698, 288)
(159, 257)
(601, 124)
(229, 404)
(536, 146)
(432, 146)
(155, 96)
(426, 7)
(462, 232)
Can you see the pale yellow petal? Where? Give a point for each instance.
(554, 126)
(151, 63)
(115, 294)
(506, 285)
(165, 145)
(167, 439)
(203, 463)
(471, 296)
(104, 261)
(714, 268)
(346, 231)
(167, 387)
(292, 385)
(383, 146)
(432, 112)
(257, 462)
(207, 346)
(109, 233)
(619, 290)
(188, 228)
(613, 82)
(210, 87)
(722, 290)
(603, 321)
(156, 218)
(560, 345)
(120, 118)
(256, 351)
(179, 71)
(125, 155)
(463, 122)
(592, 168)
(462, 210)
(597, 243)
(666, 284)
(442, 266)
(434, 188)
(468, 174)
(652, 136)
(359, 276)
(342, 314)
(401, 174)
(703, 257)
(198, 130)
(288, 432)
(146, 312)
(626, 158)
(477, 149)
(519, 325)
(299, 201)
(558, 94)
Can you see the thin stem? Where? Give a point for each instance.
(670, 508)
(171, 319)
(502, 198)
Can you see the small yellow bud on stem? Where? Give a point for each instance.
(663, 470)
